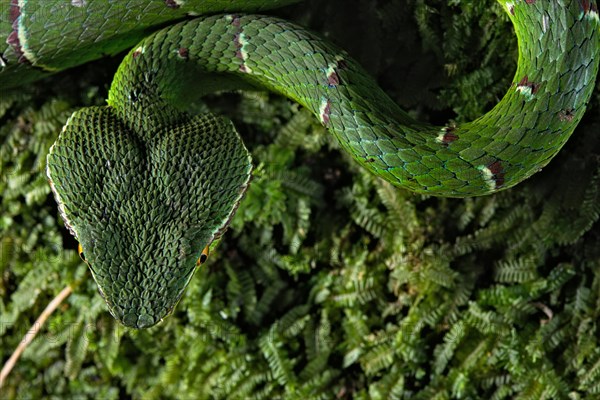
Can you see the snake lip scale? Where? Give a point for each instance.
(145, 186)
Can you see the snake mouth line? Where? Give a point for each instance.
(59, 202)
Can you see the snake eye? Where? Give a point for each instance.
(80, 251)
(203, 257)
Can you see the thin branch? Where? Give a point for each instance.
(33, 331)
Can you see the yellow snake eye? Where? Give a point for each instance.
(203, 257)
(80, 251)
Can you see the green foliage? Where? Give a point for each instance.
(330, 282)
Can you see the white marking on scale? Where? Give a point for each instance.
(545, 23)
(243, 42)
(21, 32)
(441, 136)
(325, 111)
(488, 176)
(526, 91)
(331, 69)
(511, 8)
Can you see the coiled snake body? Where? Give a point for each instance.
(144, 186)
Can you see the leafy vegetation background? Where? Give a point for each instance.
(330, 283)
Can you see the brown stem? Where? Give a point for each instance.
(30, 335)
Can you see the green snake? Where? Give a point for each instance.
(146, 187)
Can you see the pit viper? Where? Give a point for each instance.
(145, 186)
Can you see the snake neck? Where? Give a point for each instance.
(558, 63)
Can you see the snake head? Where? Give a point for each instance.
(144, 205)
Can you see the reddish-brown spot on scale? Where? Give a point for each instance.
(171, 4)
(333, 76)
(449, 137)
(136, 54)
(14, 12)
(511, 9)
(326, 113)
(530, 1)
(183, 52)
(240, 54)
(567, 115)
(525, 82)
(236, 21)
(497, 171)
(585, 5)
(333, 79)
(13, 38)
(238, 46)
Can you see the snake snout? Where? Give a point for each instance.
(145, 309)
(139, 319)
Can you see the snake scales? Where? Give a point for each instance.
(145, 187)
